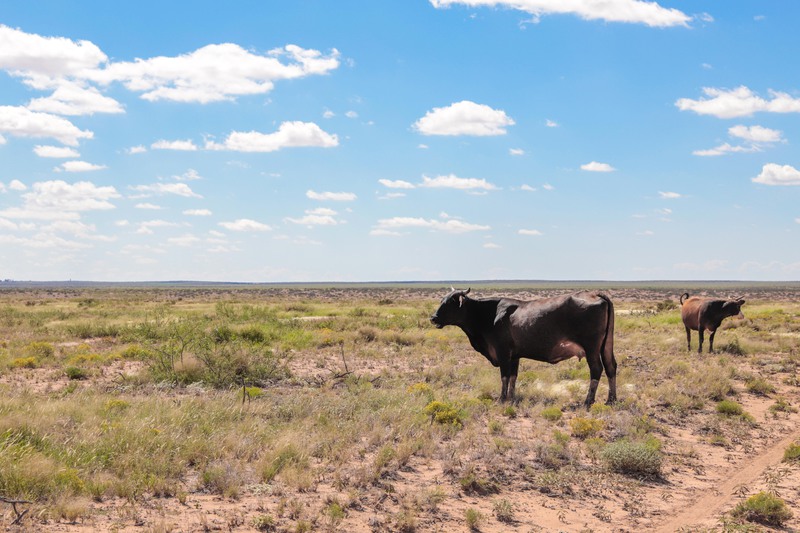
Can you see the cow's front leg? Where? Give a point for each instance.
(508, 379)
(711, 341)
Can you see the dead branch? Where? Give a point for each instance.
(14, 503)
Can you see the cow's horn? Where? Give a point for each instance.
(466, 291)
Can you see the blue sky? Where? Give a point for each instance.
(399, 140)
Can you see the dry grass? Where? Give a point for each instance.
(109, 396)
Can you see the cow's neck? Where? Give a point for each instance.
(478, 323)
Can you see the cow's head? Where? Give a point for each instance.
(734, 307)
(449, 310)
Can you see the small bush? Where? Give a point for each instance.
(763, 508)
(510, 411)
(444, 413)
(733, 347)
(24, 362)
(792, 453)
(553, 414)
(730, 408)
(264, 522)
(473, 518)
(40, 350)
(584, 428)
(632, 458)
(503, 510)
(472, 483)
(781, 405)
(760, 386)
(75, 373)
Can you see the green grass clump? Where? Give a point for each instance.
(792, 453)
(730, 408)
(763, 508)
(473, 519)
(76, 373)
(632, 458)
(760, 386)
(552, 413)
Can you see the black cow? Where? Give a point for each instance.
(549, 329)
(706, 314)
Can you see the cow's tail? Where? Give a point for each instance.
(683, 297)
(607, 350)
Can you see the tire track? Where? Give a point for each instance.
(712, 500)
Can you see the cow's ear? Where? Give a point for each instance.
(740, 301)
(504, 310)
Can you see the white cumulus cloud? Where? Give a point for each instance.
(531, 232)
(245, 224)
(451, 181)
(739, 102)
(216, 72)
(773, 174)
(464, 118)
(180, 145)
(55, 152)
(388, 226)
(669, 195)
(289, 135)
(180, 189)
(594, 166)
(396, 184)
(22, 122)
(331, 196)
(630, 11)
(79, 166)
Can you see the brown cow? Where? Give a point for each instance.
(549, 329)
(706, 314)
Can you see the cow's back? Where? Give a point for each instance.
(538, 325)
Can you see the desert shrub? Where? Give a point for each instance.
(730, 408)
(665, 305)
(473, 518)
(763, 508)
(554, 453)
(733, 347)
(510, 411)
(287, 456)
(503, 510)
(792, 453)
(760, 386)
(24, 362)
(444, 413)
(632, 458)
(583, 428)
(90, 330)
(75, 373)
(473, 483)
(264, 522)
(40, 350)
(552, 413)
(782, 405)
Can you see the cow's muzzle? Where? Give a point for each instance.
(435, 322)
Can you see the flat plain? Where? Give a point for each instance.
(339, 407)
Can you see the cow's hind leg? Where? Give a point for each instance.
(610, 365)
(508, 379)
(688, 338)
(700, 341)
